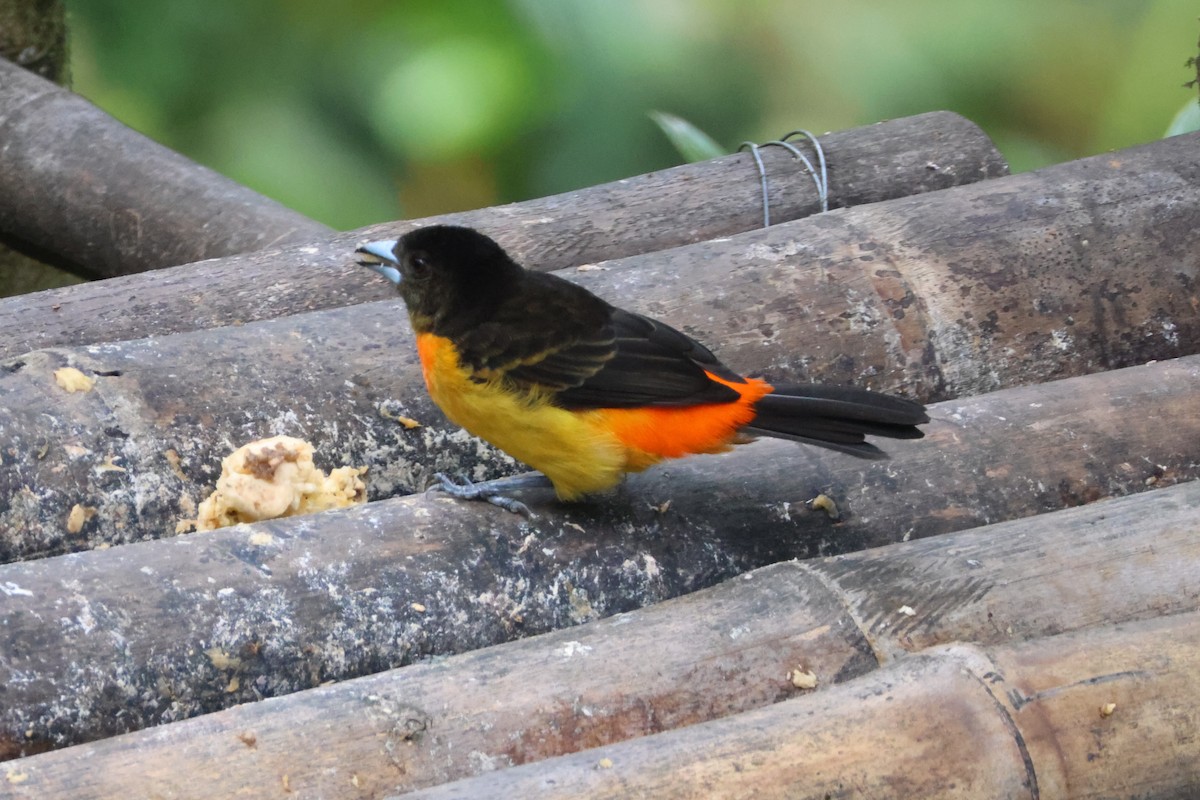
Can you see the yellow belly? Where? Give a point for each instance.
(573, 449)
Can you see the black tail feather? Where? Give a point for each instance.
(837, 417)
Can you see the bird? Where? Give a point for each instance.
(583, 391)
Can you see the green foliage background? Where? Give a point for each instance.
(367, 110)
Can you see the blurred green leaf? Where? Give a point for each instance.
(691, 142)
(259, 141)
(452, 97)
(341, 109)
(1187, 120)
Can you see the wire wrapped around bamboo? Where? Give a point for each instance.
(641, 214)
(909, 295)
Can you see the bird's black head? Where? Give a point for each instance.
(449, 277)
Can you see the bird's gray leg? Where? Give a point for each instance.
(495, 491)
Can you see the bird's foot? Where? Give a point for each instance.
(493, 491)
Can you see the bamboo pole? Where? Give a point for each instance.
(1019, 721)
(171, 628)
(87, 193)
(640, 214)
(913, 295)
(708, 655)
(33, 34)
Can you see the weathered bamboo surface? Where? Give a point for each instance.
(1053, 278)
(87, 193)
(162, 630)
(33, 36)
(909, 295)
(1014, 721)
(705, 656)
(641, 214)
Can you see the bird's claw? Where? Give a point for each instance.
(479, 491)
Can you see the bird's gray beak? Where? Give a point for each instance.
(381, 257)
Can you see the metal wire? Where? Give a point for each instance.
(819, 173)
(762, 177)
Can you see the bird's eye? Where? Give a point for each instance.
(419, 265)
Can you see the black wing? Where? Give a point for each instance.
(653, 365)
(557, 337)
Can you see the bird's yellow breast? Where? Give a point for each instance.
(573, 449)
(580, 451)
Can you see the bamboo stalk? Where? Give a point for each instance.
(33, 35)
(705, 656)
(640, 214)
(936, 296)
(169, 409)
(82, 191)
(209, 620)
(1023, 720)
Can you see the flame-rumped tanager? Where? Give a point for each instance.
(583, 391)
